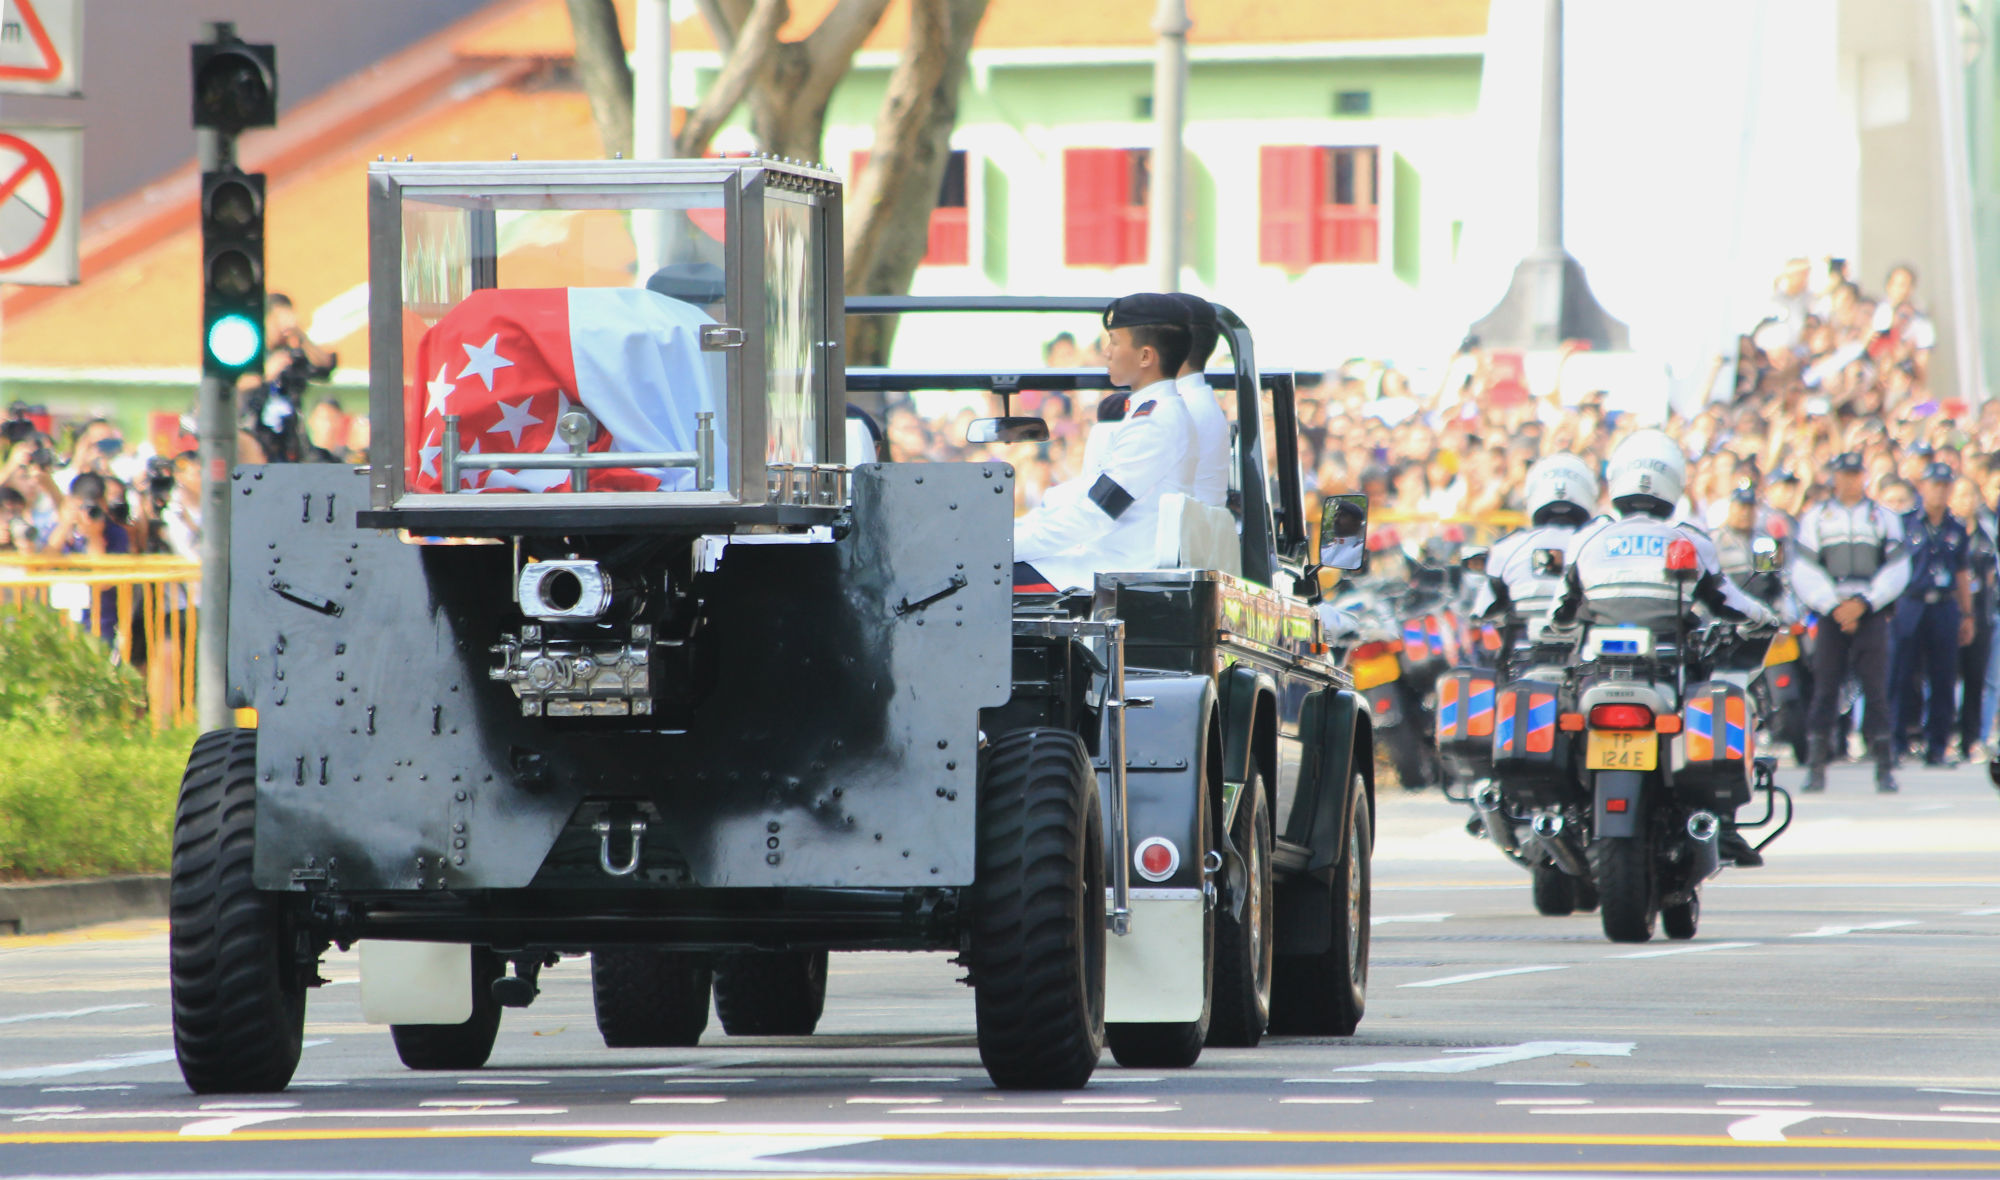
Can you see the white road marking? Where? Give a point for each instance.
(1012, 1110)
(1985, 913)
(1392, 919)
(1538, 1083)
(1328, 1081)
(34, 1110)
(930, 1081)
(1688, 950)
(452, 1103)
(1969, 1109)
(1476, 976)
(94, 1065)
(718, 1153)
(1947, 1090)
(274, 1104)
(1744, 1086)
(708, 1081)
(893, 1100)
(1762, 1102)
(1544, 1102)
(503, 1081)
(71, 1014)
(1107, 1101)
(1324, 1101)
(1836, 931)
(1770, 1126)
(679, 1100)
(1467, 1060)
(90, 1089)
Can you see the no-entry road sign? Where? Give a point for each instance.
(39, 173)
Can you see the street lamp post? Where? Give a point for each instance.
(1167, 196)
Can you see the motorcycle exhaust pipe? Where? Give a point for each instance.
(1499, 828)
(1548, 835)
(1704, 830)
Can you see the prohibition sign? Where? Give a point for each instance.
(31, 203)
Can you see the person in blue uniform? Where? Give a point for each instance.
(1934, 617)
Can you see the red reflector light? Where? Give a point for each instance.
(1669, 723)
(1621, 717)
(1614, 805)
(1369, 651)
(1784, 682)
(1157, 858)
(1382, 705)
(1681, 556)
(1570, 722)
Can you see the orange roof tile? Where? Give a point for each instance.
(316, 240)
(542, 28)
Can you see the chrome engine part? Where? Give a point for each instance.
(578, 677)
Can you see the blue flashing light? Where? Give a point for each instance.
(233, 340)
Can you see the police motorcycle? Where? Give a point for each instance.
(1662, 704)
(1408, 636)
(1496, 727)
(1753, 561)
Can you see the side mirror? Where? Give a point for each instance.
(1006, 430)
(1547, 563)
(1343, 531)
(1764, 555)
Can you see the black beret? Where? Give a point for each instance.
(1743, 496)
(1847, 461)
(1147, 307)
(695, 282)
(1940, 473)
(1200, 312)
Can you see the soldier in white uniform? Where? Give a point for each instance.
(1561, 498)
(1617, 573)
(1211, 425)
(1107, 518)
(1850, 565)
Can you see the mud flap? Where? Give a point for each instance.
(415, 982)
(1153, 975)
(1617, 793)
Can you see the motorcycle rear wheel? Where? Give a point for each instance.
(1628, 900)
(1680, 921)
(1554, 890)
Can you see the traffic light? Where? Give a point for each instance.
(235, 84)
(232, 282)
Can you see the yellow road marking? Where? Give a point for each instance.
(108, 932)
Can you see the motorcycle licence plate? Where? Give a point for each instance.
(1615, 750)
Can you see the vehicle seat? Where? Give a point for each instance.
(1193, 535)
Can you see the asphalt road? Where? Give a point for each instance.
(1835, 1016)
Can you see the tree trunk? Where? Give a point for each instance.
(889, 208)
(604, 72)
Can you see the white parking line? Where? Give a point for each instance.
(1688, 950)
(1476, 976)
(71, 1014)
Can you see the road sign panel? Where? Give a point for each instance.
(41, 46)
(39, 174)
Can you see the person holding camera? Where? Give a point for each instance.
(272, 405)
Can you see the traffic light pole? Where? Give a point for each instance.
(216, 423)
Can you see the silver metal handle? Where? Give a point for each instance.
(579, 461)
(1119, 920)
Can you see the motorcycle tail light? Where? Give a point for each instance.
(1369, 651)
(1621, 717)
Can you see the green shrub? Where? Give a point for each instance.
(54, 674)
(87, 786)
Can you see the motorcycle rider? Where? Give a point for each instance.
(1735, 546)
(1615, 573)
(1850, 565)
(1561, 498)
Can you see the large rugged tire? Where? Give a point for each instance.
(1243, 949)
(1177, 1045)
(770, 993)
(1680, 921)
(1037, 918)
(1586, 894)
(457, 1046)
(1326, 994)
(649, 997)
(239, 994)
(1555, 891)
(1627, 896)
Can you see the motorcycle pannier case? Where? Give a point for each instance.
(1718, 744)
(1529, 751)
(1465, 712)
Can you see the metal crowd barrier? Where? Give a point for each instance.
(152, 600)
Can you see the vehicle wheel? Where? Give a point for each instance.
(1325, 994)
(1625, 888)
(1679, 921)
(649, 997)
(770, 993)
(239, 995)
(1037, 951)
(457, 1046)
(1555, 891)
(1177, 1044)
(1586, 894)
(1243, 949)
(1415, 762)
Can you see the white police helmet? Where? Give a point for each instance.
(1561, 486)
(1646, 474)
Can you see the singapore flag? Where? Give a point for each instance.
(509, 363)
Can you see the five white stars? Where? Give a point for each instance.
(514, 419)
(483, 359)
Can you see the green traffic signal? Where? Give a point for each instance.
(234, 340)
